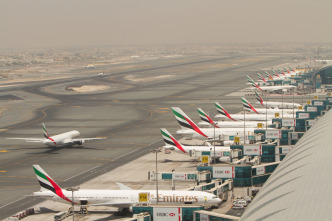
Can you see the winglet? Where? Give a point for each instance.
(170, 140)
(247, 105)
(206, 117)
(123, 187)
(223, 111)
(185, 121)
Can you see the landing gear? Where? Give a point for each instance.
(83, 210)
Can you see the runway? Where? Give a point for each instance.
(129, 114)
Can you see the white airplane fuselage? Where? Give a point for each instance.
(255, 117)
(61, 139)
(281, 105)
(211, 132)
(234, 124)
(273, 111)
(127, 198)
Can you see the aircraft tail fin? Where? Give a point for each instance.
(223, 111)
(268, 75)
(280, 71)
(206, 117)
(253, 83)
(47, 183)
(170, 140)
(291, 68)
(185, 121)
(276, 74)
(45, 132)
(259, 98)
(261, 78)
(247, 105)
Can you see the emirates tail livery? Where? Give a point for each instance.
(222, 153)
(274, 104)
(67, 138)
(248, 117)
(123, 198)
(270, 88)
(248, 107)
(261, 78)
(207, 121)
(190, 128)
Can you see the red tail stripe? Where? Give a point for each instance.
(195, 127)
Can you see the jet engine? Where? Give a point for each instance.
(79, 142)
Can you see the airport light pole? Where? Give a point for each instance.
(72, 189)
(244, 125)
(156, 151)
(266, 114)
(214, 143)
(293, 102)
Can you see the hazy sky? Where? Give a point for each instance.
(57, 23)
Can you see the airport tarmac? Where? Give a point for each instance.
(129, 114)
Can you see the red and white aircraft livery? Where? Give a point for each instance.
(67, 138)
(123, 198)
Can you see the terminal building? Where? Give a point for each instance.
(300, 187)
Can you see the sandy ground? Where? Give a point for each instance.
(135, 79)
(89, 88)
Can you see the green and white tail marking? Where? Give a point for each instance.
(170, 140)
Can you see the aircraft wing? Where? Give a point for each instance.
(117, 204)
(37, 140)
(86, 139)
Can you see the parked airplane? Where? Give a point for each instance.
(258, 117)
(271, 88)
(207, 121)
(222, 153)
(274, 104)
(190, 128)
(124, 198)
(248, 107)
(67, 138)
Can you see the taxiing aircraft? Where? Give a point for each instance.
(124, 198)
(207, 121)
(248, 117)
(271, 88)
(222, 153)
(67, 138)
(274, 104)
(190, 128)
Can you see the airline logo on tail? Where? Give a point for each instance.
(247, 105)
(46, 134)
(259, 98)
(46, 183)
(291, 68)
(261, 78)
(170, 140)
(280, 71)
(222, 111)
(185, 121)
(206, 117)
(268, 75)
(253, 83)
(286, 70)
(275, 73)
